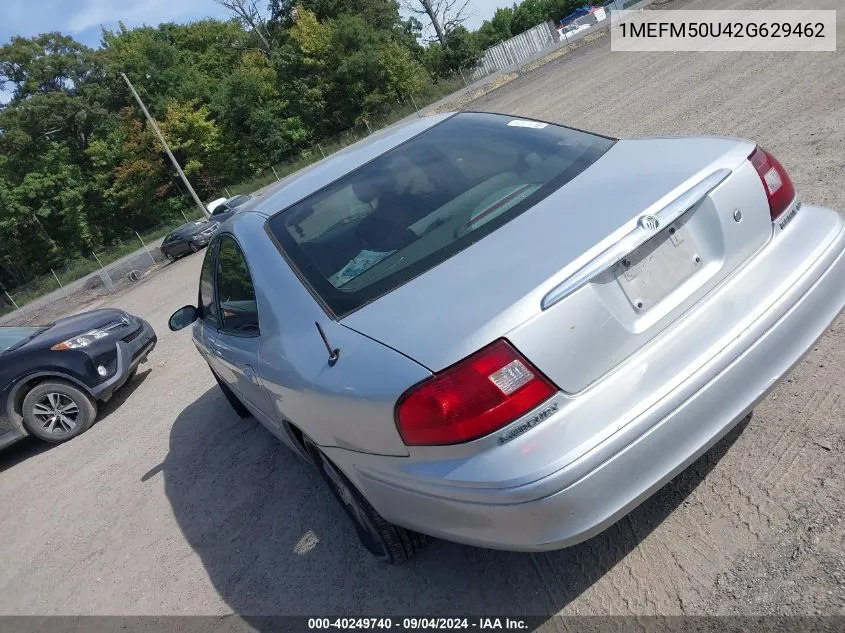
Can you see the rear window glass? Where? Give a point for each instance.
(412, 208)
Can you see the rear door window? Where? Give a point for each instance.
(208, 311)
(235, 292)
(417, 205)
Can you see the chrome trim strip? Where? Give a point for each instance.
(114, 325)
(636, 238)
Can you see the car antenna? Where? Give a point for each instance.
(334, 354)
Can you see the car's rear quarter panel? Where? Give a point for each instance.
(348, 405)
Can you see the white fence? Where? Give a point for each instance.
(544, 38)
(513, 52)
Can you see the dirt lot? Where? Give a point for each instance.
(172, 505)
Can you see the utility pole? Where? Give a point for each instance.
(154, 125)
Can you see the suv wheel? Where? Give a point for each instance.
(57, 411)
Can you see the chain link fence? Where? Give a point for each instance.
(86, 279)
(520, 51)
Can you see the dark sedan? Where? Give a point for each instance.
(188, 238)
(51, 377)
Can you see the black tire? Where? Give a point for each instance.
(387, 542)
(193, 246)
(237, 405)
(56, 411)
(170, 257)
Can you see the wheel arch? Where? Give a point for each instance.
(25, 384)
(298, 440)
(288, 433)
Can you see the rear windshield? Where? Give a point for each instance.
(427, 199)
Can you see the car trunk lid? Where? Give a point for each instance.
(583, 280)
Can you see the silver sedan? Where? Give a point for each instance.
(509, 333)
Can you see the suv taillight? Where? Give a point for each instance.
(472, 398)
(777, 183)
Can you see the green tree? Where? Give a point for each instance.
(80, 168)
(461, 50)
(194, 138)
(46, 128)
(527, 14)
(131, 175)
(380, 14)
(496, 29)
(260, 125)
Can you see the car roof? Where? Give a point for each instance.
(238, 199)
(303, 183)
(189, 227)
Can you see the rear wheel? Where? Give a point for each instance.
(170, 257)
(387, 542)
(58, 411)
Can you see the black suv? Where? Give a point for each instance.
(52, 376)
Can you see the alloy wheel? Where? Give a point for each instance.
(57, 413)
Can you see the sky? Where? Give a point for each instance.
(83, 18)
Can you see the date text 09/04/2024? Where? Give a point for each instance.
(418, 624)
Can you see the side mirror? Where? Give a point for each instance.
(182, 318)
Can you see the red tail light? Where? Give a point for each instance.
(478, 395)
(776, 182)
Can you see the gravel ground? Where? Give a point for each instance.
(172, 505)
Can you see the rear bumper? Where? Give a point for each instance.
(129, 355)
(627, 466)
